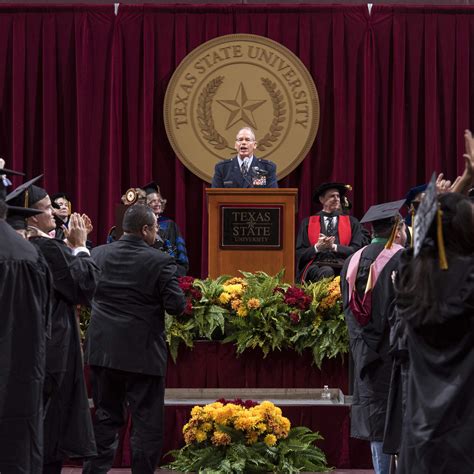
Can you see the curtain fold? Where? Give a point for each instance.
(82, 91)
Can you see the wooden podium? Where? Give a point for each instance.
(251, 229)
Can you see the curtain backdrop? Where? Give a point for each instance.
(82, 89)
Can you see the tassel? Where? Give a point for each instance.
(26, 198)
(443, 262)
(389, 243)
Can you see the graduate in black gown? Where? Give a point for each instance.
(435, 301)
(25, 290)
(368, 298)
(68, 428)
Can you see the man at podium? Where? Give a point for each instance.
(245, 170)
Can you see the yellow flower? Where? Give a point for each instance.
(196, 411)
(220, 439)
(252, 437)
(242, 312)
(270, 440)
(261, 427)
(201, 436)
(185, 427)
(207, 426)
(236, 281)
(253, 303)
(234, 289)
(235, 304)
(224, 297)
(190, 436)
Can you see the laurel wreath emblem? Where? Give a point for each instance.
(204, 114)
(206, 122)
(279, 113)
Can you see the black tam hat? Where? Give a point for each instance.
(320, 190)
(151, 188)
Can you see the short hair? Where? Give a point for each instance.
(383, 227)
(249, 130)
(136, 217)
(3, 209)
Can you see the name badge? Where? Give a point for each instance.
(260, 181)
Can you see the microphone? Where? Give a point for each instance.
(259, 171)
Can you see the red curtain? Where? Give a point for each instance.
(82, 89)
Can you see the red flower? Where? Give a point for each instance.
(186, 283)
(188, 309)
(295, 317)
(298, 298)
(238, 401)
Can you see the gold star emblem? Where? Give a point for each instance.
(241, 108)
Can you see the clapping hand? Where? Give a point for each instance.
(76, 233)
(87, 223)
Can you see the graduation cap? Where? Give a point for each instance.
(4, 181)
(321, 189)
(26, 194)
(384, 216)
(16, 216)
(428, 210)
(413, 193)
(152, 187)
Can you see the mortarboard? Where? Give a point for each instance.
(17, 216)
(383, 216)
(427, 211)
(26, 194)
(321, 189)
(152, 187)
(4, 181)
(380, 212)
(413, 192)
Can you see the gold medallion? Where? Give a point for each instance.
(237, 81)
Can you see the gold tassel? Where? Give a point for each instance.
(69, 207)
(443, 261)
(389, 243)
(26, 198)
(412, 239)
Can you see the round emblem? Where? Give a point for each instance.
(237, 81)
(131, 196)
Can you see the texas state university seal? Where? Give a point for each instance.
(237, 81)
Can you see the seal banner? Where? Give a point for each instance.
(236, 81)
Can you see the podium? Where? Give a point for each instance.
(251, 229)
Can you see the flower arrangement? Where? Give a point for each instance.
(246, 437)
(259, 311)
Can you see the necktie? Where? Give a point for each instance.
(330, 227)
(243, 168)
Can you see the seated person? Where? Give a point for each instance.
(169, 237)
(61, 211)
(245, 170)
(326, 239)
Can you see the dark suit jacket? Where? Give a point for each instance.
(227, 174)
(136, 286)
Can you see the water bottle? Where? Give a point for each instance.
(325, 394)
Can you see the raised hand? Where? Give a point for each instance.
(87, 223)
(76, 234)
